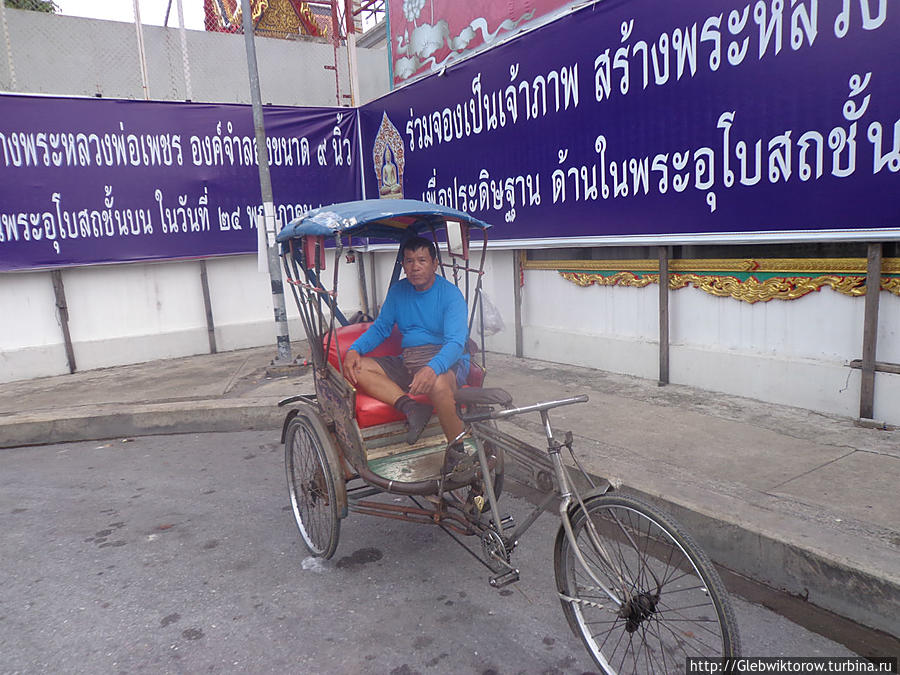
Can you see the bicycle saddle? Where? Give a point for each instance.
(483, 396)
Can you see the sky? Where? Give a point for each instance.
(152, 11)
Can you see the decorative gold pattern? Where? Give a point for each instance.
(257, 7)
(584, 279)
(753, 290)
(281, 19)
(891, 285)
(750, 289)
(271, 18)
(312, 25)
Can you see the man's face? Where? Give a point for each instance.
(420, 268)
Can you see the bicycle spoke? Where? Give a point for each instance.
(700, 625)
(671, 598)
(679, 638)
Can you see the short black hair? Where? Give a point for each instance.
(415, 243)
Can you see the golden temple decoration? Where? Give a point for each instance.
(585, 279)
(313, 26)
(271, 18)
(280, 19)
(750, 280)
(753, 290)
(257, 7)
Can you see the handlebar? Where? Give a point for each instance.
(536, 407)
(491, 396)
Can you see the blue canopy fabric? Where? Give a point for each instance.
(381, 218)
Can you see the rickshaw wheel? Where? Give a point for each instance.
(643, 596)
(311, 484)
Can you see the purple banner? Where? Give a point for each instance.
(86, 181)
(654, 120)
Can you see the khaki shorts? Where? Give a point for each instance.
(395, 368)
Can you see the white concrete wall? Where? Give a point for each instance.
(30, 337)
(120, 313)
(608, 328)
(794, 353)
(499, 286)
(789, 352)
(132, 313)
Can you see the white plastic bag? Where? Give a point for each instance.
(491, 320)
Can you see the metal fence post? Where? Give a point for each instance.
(870, 332)
(142, 54)
(663, 253)
(62, 307)
(283, 356)
(351, 54)
(12, 69)
(188, 89)
(518, 259)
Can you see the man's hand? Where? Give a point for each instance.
(352, 366)
(423, 381)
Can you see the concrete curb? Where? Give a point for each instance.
(99, 422)
(858, 594)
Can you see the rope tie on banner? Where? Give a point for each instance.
(311, 288)
(462, 268)
(9, 57)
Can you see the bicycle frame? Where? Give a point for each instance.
(566, 489)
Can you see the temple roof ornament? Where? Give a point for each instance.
(271, 18)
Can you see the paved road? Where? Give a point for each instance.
(178, 554)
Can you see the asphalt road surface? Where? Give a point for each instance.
(179, 554)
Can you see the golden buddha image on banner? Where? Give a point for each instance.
(388, 160)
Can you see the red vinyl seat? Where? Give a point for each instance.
(370, 411)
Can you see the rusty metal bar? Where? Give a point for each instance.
(663, 252)
(363, 285)
(870, 332)
(59, 292)
(880, 366)
(207, 305)
(517, 300)
(411, 514)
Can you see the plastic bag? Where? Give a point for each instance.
(491, 320)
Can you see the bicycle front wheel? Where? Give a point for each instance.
(659, 600)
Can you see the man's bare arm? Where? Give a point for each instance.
(352, 365)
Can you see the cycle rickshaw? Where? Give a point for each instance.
(632, 583)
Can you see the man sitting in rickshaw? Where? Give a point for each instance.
(430, 313)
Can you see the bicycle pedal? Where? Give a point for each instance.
(504, 578)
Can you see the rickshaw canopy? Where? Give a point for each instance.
(394, 219)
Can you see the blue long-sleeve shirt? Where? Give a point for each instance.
(437, 316)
